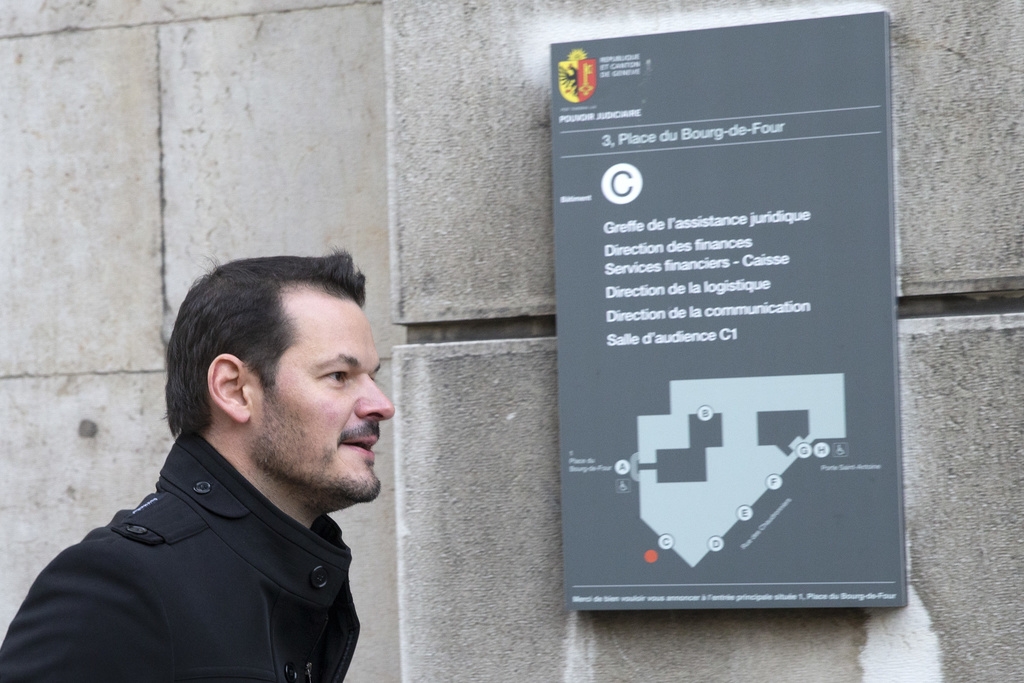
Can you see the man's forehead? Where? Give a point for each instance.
(336, 326)
(302, 302)
(301, 290)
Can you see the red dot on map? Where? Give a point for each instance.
(651, 556)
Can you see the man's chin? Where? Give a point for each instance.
(348, 493)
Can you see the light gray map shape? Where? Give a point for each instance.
(694, 512)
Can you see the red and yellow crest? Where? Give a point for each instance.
(577, 77)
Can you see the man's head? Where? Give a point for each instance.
(236, 308)
(272, 360)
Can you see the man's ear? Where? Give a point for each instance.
(231, 385)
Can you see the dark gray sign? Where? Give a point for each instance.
(726, 318)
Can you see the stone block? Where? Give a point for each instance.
(478, 517)
(963, 435)
(73, 451)
(25, 17)
(470, 176)
(273, 142)
(80, 255)
(957, 95)
(480, 568)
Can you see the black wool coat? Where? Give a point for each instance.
(205, 581)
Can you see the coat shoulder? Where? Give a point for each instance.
(160, 518)
(89, 606)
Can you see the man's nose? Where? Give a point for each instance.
(374, 403)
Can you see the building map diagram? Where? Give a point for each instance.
(701, 468)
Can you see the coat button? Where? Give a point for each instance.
(290, 672)
(136, 529)
(318, 577)
(202, 487)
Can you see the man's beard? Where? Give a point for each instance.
(280, 451)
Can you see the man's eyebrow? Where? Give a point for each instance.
(351, 361)
(341, 357)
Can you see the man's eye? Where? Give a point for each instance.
(338, 376)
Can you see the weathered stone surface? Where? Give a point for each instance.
(471, 163)
(73, 451)
(370, 531)
(901, 645)
(480, 569)
(957, 97)
(79, 203)
(722, 645)
(273, 142)
(479, 526)
(963, 438)
(22, 17)
(470, 154)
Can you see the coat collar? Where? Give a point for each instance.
(312, 563)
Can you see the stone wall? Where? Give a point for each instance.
(478, 509)
(139, 143)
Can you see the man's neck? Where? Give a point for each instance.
(236, 454)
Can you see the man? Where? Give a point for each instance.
(231, 571)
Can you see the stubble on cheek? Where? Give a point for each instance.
(320, 478)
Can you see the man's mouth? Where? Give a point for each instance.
(364, 436)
